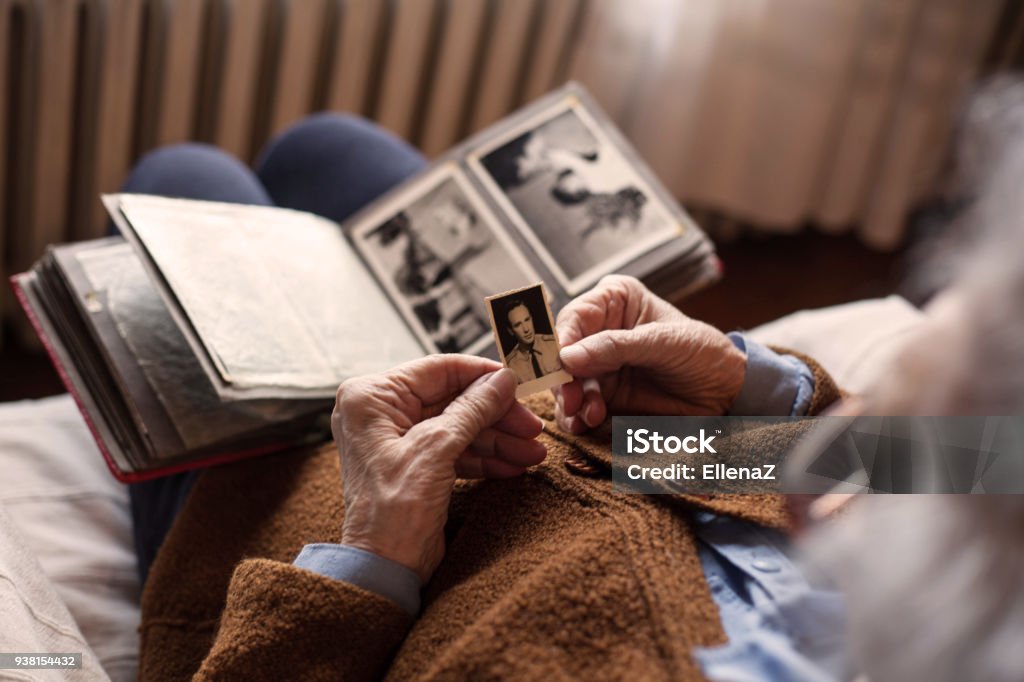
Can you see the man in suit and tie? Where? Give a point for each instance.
(535, 355)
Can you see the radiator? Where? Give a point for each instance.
(776, 113)
(87, 86)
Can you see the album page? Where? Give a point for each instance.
(552, 193)
(274, 300)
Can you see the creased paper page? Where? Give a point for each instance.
(164, 356)
(277, 297)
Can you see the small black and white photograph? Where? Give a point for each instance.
(438, 257)
(524, 331)
(573, 195)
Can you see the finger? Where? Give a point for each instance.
(518, 451)
(484, 467)
(612, 304)
(569, 397)
(480, 406)
(519, 421)
(561, 419)
(569, 405)
(438, 378)
(594, 410)
(574, 425)
(617, 302)
(650, 346)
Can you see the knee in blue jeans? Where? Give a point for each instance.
(194, 170)
(339, 123)
(332, 164)
(326, 127)
(187, 156)
(341, 140)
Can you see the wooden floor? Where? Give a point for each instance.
(765, 278)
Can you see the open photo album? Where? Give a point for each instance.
(209, 332)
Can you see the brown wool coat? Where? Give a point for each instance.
(549, 576)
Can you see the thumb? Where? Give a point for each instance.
(650, 346)
(483, 403)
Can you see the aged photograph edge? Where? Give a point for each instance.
(555, 378)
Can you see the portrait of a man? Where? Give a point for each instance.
(534, 355)
(524, 331)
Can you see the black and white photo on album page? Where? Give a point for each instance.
(573, 194)
(438, 252)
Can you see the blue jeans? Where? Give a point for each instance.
(329, 164)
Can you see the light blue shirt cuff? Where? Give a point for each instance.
(364, 569)
(775, 385)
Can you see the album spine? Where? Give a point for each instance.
(122, 475)
(65, 379)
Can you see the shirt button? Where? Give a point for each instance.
(577, 464)
(766, 565)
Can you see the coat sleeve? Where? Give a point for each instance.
(283, 622)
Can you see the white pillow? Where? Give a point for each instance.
(854, 342)
(33, 619)
(74, 517)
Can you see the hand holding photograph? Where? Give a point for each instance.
(524, 331)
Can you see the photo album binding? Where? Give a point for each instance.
(209, 332)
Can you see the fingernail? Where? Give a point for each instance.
(503, 379)
(572, 355)
(496, 378)
(577, 426)
(589, 415)
(538, 453)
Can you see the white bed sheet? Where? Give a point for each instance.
(56, 491)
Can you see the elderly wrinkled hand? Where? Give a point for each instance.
(634, 353)
(405, 435)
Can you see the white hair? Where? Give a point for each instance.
(935, 583)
